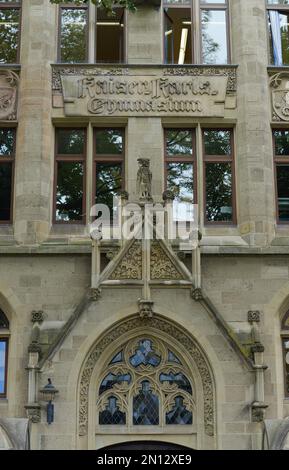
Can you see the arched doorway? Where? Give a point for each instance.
(146, 381)
(145, 446)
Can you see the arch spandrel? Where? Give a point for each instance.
(160, 327)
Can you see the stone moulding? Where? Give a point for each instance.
(279, 85)
(9, 81)
(159, 324)
(193, 71)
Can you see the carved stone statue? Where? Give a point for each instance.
(144, 180)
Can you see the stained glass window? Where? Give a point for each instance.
(146, 406)
(145, 355)
(112, 414)
(145, 383)
(179, 414)
(4, 323)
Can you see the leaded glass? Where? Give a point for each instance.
(112, 379)
(117, 358)
(179, 379)
(173, 358)
(112, 414)
(145, 383)
(145, 355)
(146, 406)
(4, 323)
(179, 413)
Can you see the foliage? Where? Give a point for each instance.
(108, 5)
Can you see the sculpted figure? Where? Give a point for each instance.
(144, 180)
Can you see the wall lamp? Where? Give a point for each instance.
(48, 394)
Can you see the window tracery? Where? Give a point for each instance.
(145, 384)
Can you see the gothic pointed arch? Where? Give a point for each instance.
(144, 372)
(4, 322)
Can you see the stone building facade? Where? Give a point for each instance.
(145, 340)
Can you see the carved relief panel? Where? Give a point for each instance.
(153, 91)
(8, 95)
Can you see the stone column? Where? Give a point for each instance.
(145, 136)
(254, 158)
(34, 152)
(144, 35)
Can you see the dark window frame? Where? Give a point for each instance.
(70, 158)
(14, 6)
(283, 9)
(219, 7)
(279, 160)
(183, 159)
(123, 52)
(196, 30)
(5, 339)
(104, 158)
(67, 6)
(10, 159)
(220, 159)
(284, 338)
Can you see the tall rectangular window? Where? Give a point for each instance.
(281, 157)
(73, 43)
(70, 176)
(107, 43)
(278, 18)
(181, 164)
(219, 176)
(110, 36)
(10, 13)
(3, 366)
(108, 165)
(7, 155)
(182, 32)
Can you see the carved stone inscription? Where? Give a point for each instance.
(149, 94)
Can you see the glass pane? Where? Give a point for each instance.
(109, 142)
(173, 358)
(146, 407)
(9, 30)
(110, 36)
(177, 2)
(178, 38)
(145, 355)
(214, 37)
(69, 195)
(286, 363)
(4, 323)
(112, 413)
(219, 192)
(285, 322)
(178, 379)
(3, 347)
(179, 413)
(217, 142)
(111, 379)
(281, 142)
(7, 142)
(5, 191)
(180, 180)
(283, 192)
(70, 141)
(117, 358)
(73, 35)
(278, 2)
(108, 184)
(179, 142)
